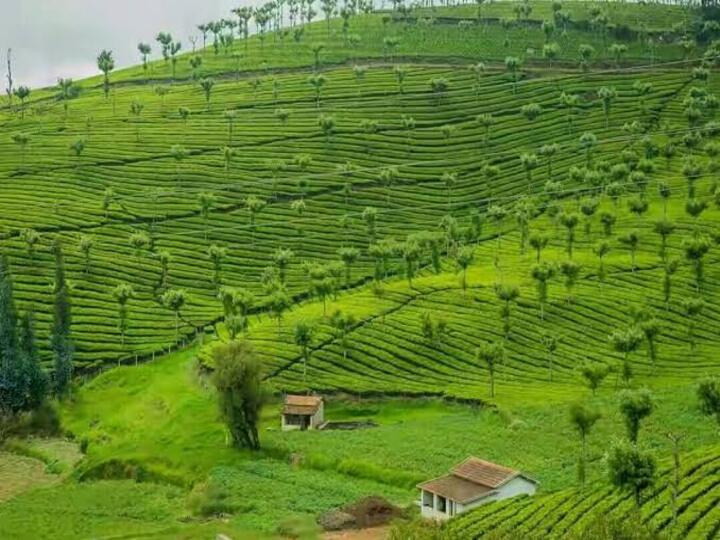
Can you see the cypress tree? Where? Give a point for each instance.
(61, 340)
(12, 387)
(36, 380)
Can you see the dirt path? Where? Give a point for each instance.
(374, 533)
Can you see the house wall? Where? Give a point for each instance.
(517, 486)
(319, 417)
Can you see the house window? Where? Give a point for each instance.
(427, 499)
(442, 504)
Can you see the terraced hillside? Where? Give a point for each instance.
(569, 512)
(133, 196)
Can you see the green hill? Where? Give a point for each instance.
(398, 169)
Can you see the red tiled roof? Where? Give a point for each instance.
(484, 472)
(455, 488)
(302, 405)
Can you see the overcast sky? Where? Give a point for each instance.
(61, 38)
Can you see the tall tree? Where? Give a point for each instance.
(303, 338)
(122, 294)
(631, 469)
(106, 64)
(61, 338)
(238, 378)
(493, 355)
(635, 406)
(583, 419)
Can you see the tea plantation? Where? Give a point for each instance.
(455, 222)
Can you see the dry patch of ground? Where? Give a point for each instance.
(373, 533)
(19, 474)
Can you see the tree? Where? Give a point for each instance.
(708, 393)
(550, 343)
(625, 342)
(570, 222)
(601, 249)
(216, 254)
(281, 259)
(207, 85)
(439, 86)
(12, 384)
(635, 406)
(542, 273)
(387, 177)
(631, 469)
(106, 64)
(36, 381)
(85, 244)
(570, 102)
(144, 49)
(348, 255)
(593, 375)
(278, 304)
(512, 64)
(22, 140)
(30, 237)
(411, 254)
(253, 205)
(664, 228)
(303, 338)
(583, 419)
(68, 90)
(238, 378)
(607, 95)
(317, 82)
(493, 354)
(122, 294)
(571, 271)
(464, 258)
(617, 50)
(206, 202)
(529, 163)
(136, 109)
(588, 141)
(61, 338)
(651, 329)
(486, 120)
(693, 308)
(631, 240)
(669, 268)
(174, 300)
(695, 249)
(343, 324)
(179, 153)
(22, 93)
(506, 294)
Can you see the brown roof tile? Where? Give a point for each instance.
(455, 488)
(304, 405)
(484, 472)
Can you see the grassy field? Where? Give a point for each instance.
(406, 161)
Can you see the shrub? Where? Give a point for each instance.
(211, 498)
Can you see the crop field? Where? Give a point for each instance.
(415, 186)
(127, 184)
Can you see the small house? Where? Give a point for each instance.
(302, 412)
(471, 483)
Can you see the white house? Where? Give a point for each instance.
(471, 483)
(302, 412)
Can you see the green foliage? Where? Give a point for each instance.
(238, 379)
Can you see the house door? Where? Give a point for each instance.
(304, 422)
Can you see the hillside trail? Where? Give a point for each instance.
(372, 533)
